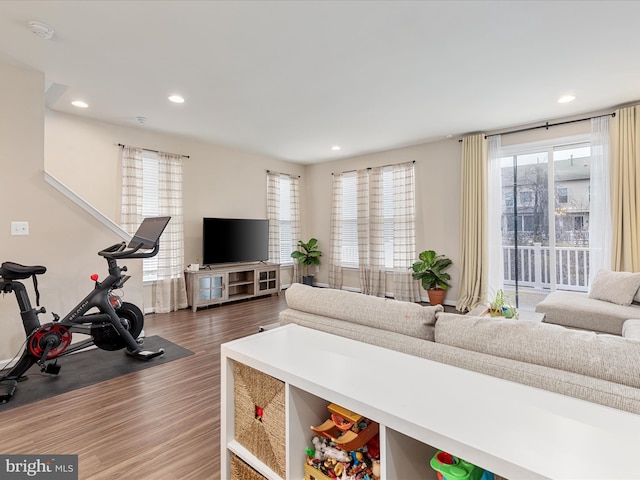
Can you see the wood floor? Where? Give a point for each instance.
(162, 423)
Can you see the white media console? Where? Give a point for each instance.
(515, 431)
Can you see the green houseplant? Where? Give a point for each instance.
(499, 306)
(430, 271)
(307, 255)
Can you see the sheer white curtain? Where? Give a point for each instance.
(371, 231)
(494, 223)
(295, 219)
(600, 209)
(335, 234)
(275, 198)
(273, 215)
(171, 293)
(131, 204)
(404, 233)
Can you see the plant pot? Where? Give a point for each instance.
(307, 280)
(436, 297)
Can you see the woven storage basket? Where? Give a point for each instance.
(242, 471)
(265, 438)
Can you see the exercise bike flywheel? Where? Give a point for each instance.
(57, 335)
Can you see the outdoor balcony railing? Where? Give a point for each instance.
(534, 267)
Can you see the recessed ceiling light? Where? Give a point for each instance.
(79, 104)
(176, 99)
(335, 148)
(567, 99)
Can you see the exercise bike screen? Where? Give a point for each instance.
(149, 232)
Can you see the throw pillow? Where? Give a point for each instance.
(615, 287)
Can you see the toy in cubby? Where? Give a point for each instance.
(346, 447)
(449, 467)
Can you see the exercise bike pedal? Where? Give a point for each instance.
(146, 354)
(52, 368)
(7, 389)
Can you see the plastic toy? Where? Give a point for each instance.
(360, 430)
(346, 447)
(449, 467)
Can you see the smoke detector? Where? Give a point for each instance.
(41, 29)
(141, 120)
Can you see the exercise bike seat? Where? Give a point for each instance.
(15, 271)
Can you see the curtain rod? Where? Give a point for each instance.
(547, 125)
(280, 173)
(156, 151)
(369, 168)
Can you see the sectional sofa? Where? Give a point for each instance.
(599, 368)
(613, 299)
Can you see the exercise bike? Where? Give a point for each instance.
(111, 325)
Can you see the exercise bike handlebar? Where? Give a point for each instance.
(120, 250)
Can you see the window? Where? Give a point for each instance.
(526, 197)
(286, 242)
(508, 199)
(283, 215)
(545, 235)
(150, 206)
(563, 195)
(350, 219)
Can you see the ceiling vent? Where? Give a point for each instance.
(41, 29)
(141, 120)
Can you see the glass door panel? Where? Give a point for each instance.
(545, 222)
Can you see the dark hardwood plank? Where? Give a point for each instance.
(160, 423)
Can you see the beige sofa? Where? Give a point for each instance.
(603, 369)
(577, 310)
(613, 299)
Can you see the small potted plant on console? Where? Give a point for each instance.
(308, 255)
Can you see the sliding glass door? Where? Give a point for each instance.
(545, 220)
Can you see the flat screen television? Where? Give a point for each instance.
(234, 240)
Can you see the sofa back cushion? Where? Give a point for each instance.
(606, 357)
(615, 287)
(392, 315)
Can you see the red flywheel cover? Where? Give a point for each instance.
(60, 335)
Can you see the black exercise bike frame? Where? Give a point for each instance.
(79, 320)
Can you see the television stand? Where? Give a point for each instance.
(217, 284)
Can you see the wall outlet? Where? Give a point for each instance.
(19, 228)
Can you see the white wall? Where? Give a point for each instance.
(62, 236)
(218, 181)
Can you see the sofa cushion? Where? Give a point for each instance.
(577, 310)
(615, 287)
(631, 329)
(607, 357)
(391, 315)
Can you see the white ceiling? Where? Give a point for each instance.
(289, 79)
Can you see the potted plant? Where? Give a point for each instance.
(308, 255)
(430, 271)
(500, 306)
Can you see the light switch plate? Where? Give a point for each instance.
(19, 228)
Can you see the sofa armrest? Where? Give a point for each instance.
(631, 329)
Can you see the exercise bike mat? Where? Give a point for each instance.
(87, 368)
